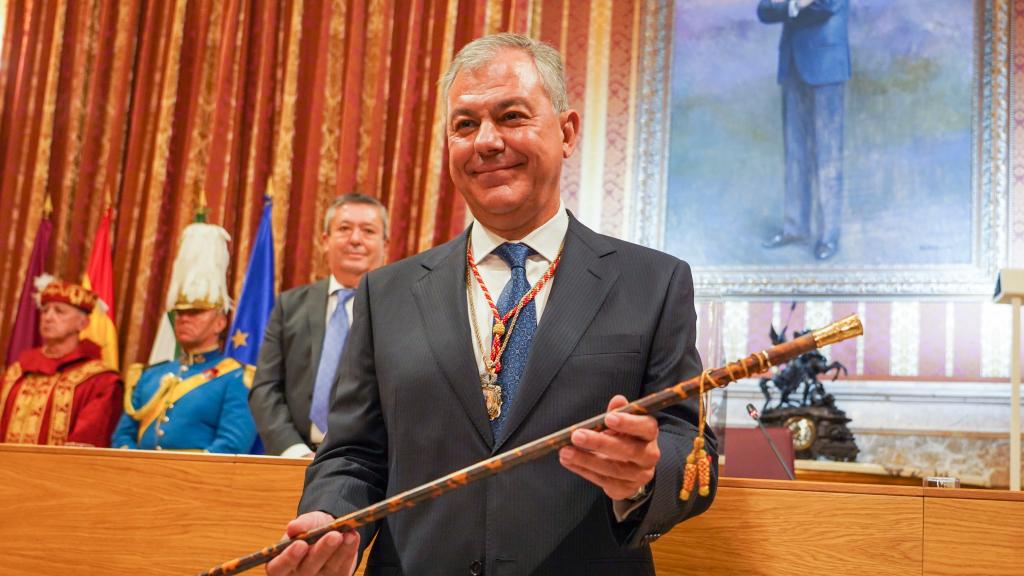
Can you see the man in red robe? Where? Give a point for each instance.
(61, 392)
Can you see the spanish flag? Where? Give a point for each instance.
(99, 277)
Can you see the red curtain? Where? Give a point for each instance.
(162, 106)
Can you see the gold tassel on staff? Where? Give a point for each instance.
(756, 363)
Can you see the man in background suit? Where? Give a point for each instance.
(814, 65)
(308, 327)
(415, 399)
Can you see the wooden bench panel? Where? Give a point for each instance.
(111, 512)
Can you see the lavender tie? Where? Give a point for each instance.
(334, 343)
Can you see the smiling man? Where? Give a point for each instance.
(308, 328)
(527, 323)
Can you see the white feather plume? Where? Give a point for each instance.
(200, 268)
(40, 283)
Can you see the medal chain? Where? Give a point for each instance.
(491, 366)
(501, 334)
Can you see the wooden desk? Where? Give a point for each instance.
(96, 511)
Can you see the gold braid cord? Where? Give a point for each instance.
(698, 462)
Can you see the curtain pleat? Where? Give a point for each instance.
(157, 107)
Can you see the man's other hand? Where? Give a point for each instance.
(333, 555)
(622, 458)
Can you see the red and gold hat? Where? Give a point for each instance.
(73, 294)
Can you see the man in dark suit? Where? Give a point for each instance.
(308, 327)
(584, 322)
(814, 65)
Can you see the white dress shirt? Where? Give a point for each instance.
(546, 241)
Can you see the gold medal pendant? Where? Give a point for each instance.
(492, 394)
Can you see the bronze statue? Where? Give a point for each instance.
(819, 427)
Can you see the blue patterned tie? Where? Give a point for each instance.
(513, 361)
(334, 343)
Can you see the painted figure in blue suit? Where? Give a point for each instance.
(814, 65)
(199, 402)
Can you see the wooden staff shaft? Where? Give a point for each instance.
(720, 377)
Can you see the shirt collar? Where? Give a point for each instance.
(546, 240)
(333, 285)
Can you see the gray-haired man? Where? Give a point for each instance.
(291, 392)
(423, 389)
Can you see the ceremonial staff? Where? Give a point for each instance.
(758, 362)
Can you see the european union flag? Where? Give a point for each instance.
(257, 299)
(255, 303)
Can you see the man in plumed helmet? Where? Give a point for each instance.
(61, 392)
(199, 401)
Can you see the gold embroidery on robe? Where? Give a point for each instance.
(10, 378)
(64, 396)
(34, 396)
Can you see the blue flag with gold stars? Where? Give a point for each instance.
(257, 299)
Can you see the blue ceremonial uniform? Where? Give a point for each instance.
(182, 405)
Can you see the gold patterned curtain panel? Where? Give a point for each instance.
(151, 103)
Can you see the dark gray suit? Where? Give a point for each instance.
(408, 409)
(286, 371)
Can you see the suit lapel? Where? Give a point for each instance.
(580, 286)
(316, 319)
(441, 297)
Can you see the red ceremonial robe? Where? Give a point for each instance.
(70, 400)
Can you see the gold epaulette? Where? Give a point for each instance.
(131, 378)
(249, 375)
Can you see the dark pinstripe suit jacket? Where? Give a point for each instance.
(408, 409)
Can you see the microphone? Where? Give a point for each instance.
(757, 418)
